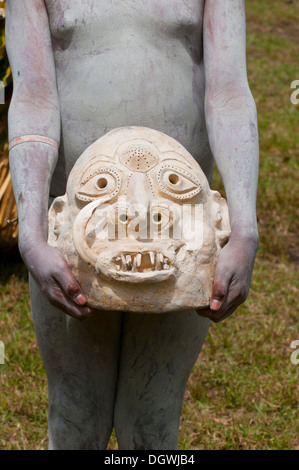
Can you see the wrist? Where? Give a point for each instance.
(26, 247)
(244, 228)
(249, 235)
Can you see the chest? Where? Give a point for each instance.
(170, 16)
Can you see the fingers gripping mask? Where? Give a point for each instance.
(139, 225)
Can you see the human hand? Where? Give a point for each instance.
(232, 277)
(56, 280)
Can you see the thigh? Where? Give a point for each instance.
(81, 361)
(157, 355)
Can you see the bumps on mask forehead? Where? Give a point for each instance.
(139, 155)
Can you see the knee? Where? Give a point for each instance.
(64, 434)
(74, 426)
(60, 437)
(154, 430)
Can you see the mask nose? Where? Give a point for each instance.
(139, 196)
(140, 215)
(147, 216)
(129, 217)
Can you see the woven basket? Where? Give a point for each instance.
(8, 208)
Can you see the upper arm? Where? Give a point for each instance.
(30, 53)
(225, 46)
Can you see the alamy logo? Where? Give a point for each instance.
(2, 353)
(156, 221)
(295, 94)
(2, 93)
(295, 354)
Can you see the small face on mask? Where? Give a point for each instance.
(139, 225)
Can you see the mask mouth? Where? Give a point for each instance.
(154, 265)
(142, 262)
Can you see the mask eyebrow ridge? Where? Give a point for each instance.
(179, 161)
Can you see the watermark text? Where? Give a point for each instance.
(295, 94)
(295, 354)
(2, 353)
(123, 221)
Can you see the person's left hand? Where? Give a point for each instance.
(232, 277)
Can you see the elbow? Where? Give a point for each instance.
(34, 96)
(33, 114)
(230, 100)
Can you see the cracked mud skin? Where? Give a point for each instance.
(139, 225)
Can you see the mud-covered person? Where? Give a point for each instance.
(82, 68)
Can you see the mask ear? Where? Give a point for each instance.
(56, 220)
(222, 225)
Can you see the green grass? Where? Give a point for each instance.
(243, 391)
(23, 394)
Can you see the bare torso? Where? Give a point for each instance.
(120, 63)
(128, 63)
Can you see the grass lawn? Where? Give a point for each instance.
(243, 391)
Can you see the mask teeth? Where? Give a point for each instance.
(134, 267)
(141, 262)
(139, 258)
(159, 261)
(152, 258)
(123, 262)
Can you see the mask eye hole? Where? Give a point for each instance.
(157, 217)
(161, 217)
(118, 216)
(177, 182)
(123, 218)
(173, 178)
(102, 182)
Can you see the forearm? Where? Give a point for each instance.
(31, 166)
(32, 162)
(233, 135)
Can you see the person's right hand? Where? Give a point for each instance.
(55, 279)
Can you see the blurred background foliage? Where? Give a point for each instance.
(5, 75)
(5, 72)
(8, 210)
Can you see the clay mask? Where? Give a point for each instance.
(139, 225)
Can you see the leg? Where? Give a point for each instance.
(81, 362)
(158, 353)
